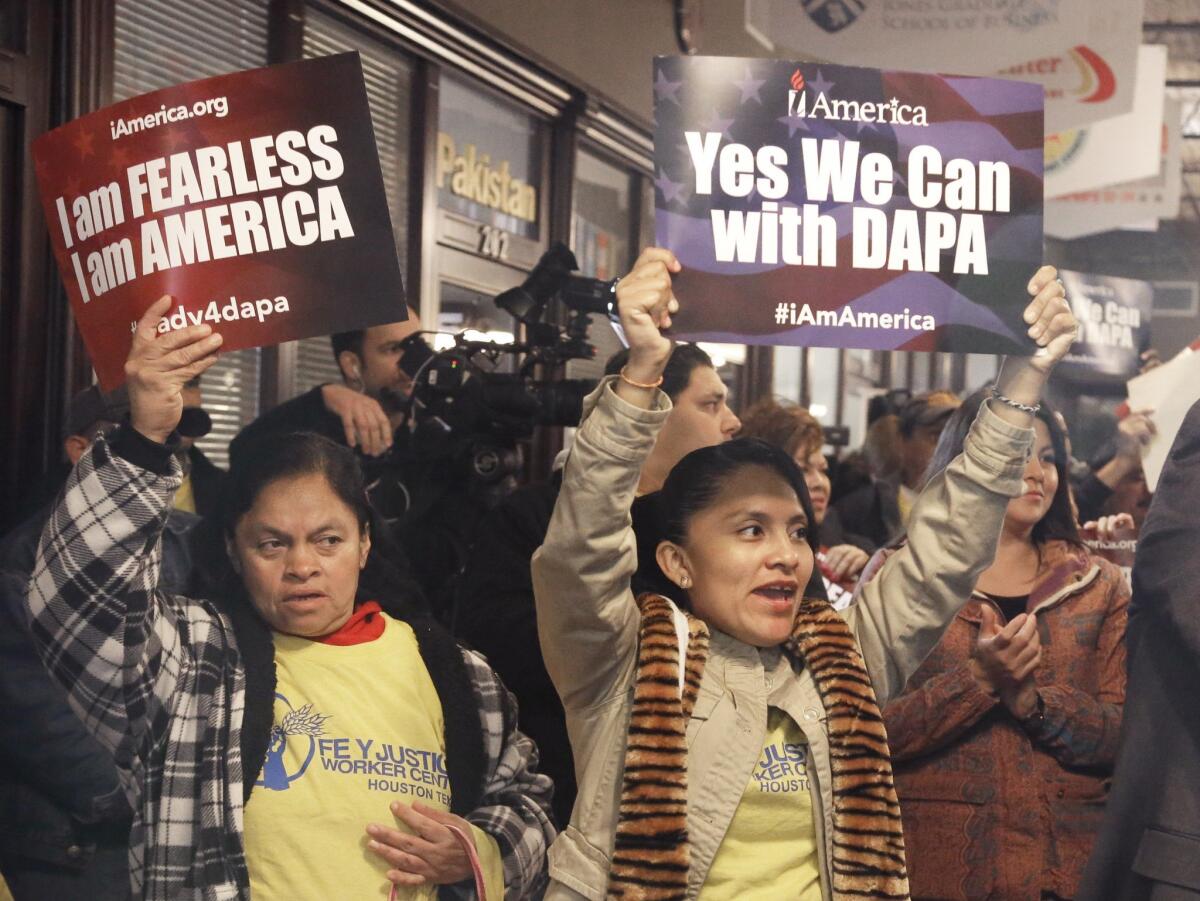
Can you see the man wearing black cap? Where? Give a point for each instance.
(201, 488)
(879, 511)
(64, 826)
(91, 413)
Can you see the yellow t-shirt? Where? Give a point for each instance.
(185, 496)
(770, 849)
(905, 499)
(356, 728)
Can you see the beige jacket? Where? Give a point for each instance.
(588, 626)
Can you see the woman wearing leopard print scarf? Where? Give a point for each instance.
(728, 740)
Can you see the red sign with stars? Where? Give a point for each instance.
(255, 199)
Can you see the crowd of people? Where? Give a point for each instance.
(702, 659)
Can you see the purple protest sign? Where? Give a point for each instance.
(835, 206)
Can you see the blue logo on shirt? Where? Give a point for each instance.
(298, 725)
(783, 768)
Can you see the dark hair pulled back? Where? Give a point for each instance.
(677, 375)
(294, 456)
(694, 484)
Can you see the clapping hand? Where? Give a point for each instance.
(1005, 659)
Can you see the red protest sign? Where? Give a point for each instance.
(255, 199)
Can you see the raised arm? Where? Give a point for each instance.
(901, 614)
(100, 627)
(587, 618)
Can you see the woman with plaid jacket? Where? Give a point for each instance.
(295, 734)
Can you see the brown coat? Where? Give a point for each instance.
(990, 809)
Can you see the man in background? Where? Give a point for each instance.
(879, 511)
(64, 819)
(495, 609)
(1149, 846)
(364, 410)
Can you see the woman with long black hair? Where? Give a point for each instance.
(1004, 739)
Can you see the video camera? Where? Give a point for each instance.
(462, 410)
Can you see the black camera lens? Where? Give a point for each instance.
(414, 353)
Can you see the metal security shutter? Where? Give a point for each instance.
(388, 74)
(315, 364)
(159, 43)
(231, 397)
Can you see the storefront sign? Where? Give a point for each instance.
(844, 207)
(1120, 149)
(961, 36)
(1127, 205)
(488, 167)
(255, 199)
(1114, 325)
(474, 176)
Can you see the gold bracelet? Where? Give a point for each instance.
(628, 381)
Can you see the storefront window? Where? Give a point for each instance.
(488, 160)
(602, 217)
(823, 384)
(899, 377)
(920, 372)
(601, 223)
(464, 310)
(981, 370)
(730, 362)
(785, 373)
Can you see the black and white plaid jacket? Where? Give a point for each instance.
(162, 682)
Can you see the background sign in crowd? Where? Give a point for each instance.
(255, 199)
(1114, 325)
(1129, 203)
(825, 205)
(1120, 548)
(1082, 51)
(1118, 149)
(1168, 391)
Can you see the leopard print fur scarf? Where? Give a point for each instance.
(650, 855)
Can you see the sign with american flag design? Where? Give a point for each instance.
(836, 206)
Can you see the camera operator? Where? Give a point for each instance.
(364, 410)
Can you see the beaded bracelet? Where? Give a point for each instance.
(1016, 405)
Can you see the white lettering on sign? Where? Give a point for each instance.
(945, 233)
